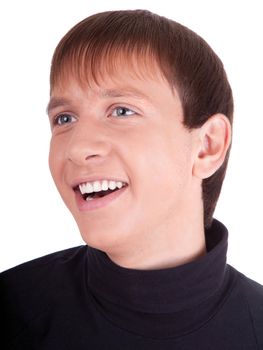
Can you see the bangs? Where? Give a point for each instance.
(91, 66)
(106, 44)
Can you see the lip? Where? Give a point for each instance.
(97, 203)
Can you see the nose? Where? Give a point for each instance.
(87, 144)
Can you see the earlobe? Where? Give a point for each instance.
(214, 141)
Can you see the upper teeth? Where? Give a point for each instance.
(98, 186)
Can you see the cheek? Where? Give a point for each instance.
(165, 167)
(55, 160)
(57, 169)
(166, 154)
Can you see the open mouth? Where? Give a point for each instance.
(98, 189)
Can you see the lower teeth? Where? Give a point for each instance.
(89, 199)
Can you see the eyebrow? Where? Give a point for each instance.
(57, 102)
(105, 93)
(123, 93)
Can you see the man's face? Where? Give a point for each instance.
(127, 130)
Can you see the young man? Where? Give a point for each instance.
(141, 114)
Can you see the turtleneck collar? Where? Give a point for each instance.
(165, 302)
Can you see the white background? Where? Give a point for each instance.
(34, 220)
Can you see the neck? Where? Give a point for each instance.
(182, 243)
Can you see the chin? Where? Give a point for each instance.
(104, 240)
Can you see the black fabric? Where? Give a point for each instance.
(80, 299)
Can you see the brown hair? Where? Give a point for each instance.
(102, 41)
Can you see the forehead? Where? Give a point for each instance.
(122, 85)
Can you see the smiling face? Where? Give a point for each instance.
(128, 130)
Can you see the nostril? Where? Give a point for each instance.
(91, 156)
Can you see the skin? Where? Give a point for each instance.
(158, 220)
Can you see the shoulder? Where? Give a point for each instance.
(46, 266)
(252, 293)
(49, 271)
(30, 290)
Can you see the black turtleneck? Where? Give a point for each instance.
(80, 299)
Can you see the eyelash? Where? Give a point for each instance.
(123, 109)
(57, 119)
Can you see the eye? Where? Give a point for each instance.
(122, 112)
(63, 119)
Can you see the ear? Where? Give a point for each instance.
(214, 141)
